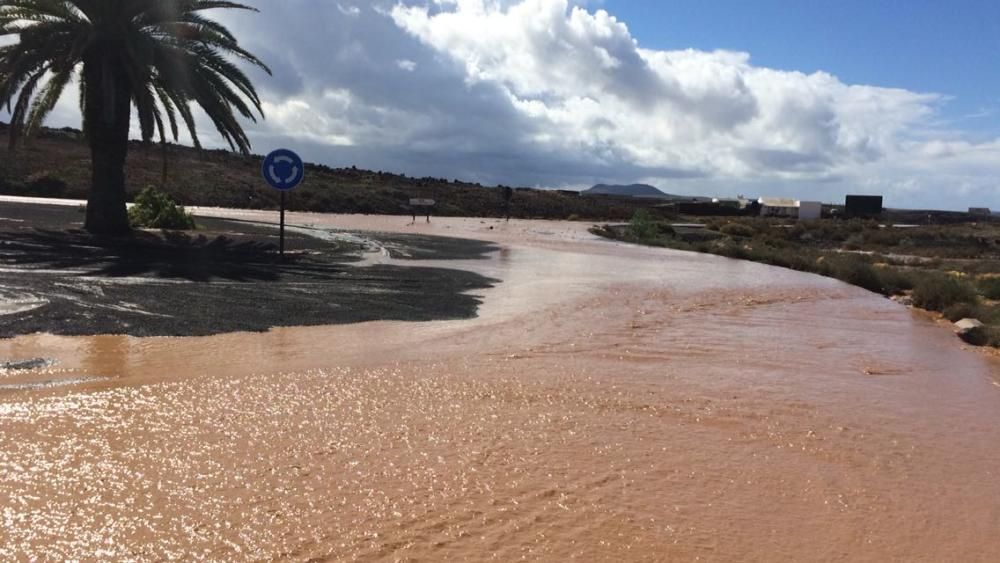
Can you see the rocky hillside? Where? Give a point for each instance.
(56, 164)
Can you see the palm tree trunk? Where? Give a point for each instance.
(107, 109)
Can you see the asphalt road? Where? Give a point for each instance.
(224, 277)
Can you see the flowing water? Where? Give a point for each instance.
(609, 403)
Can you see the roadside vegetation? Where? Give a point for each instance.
(154, 209)
(953, 270)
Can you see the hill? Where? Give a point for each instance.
(630, 190)
(56, 163)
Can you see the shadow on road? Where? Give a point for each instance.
(174, 255)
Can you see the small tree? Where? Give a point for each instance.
(642, 226)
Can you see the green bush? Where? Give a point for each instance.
(883, 237)
(894, 280)
(990, 288)
(855, 270)
(959, 311)
(642, 226)
(737, 230)
(985, 313)
(730, 249)
(154, 209)
(783, 257)
(854, 242)
(938, 292)
(44, 184)
(989, 314)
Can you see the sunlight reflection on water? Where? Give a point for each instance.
(610, 402)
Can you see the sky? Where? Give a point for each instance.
(921, 45)
(808, 99)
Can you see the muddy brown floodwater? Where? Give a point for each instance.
(609, 403)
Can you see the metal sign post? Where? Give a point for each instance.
(283, 170)
(281, 236)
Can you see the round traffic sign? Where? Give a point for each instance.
(283, 169)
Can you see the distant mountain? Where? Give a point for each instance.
(640, 191)
(631, 190)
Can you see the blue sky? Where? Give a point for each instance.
(951, 48)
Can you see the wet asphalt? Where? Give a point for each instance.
(226, 276)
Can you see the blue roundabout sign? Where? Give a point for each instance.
(283, 170)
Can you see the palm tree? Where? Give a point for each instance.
(157, 55)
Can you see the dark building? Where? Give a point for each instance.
(863, 206)
(707, 209)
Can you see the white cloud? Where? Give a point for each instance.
(711, 113)
(589, 87)
(349, 10)
(552, 93)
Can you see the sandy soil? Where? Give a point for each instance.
(608, 403)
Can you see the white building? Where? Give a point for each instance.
(790, 208)
(778, 207)
(810, 210)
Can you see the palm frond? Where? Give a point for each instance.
(21, 108)
(47, 99)
(172, 54)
